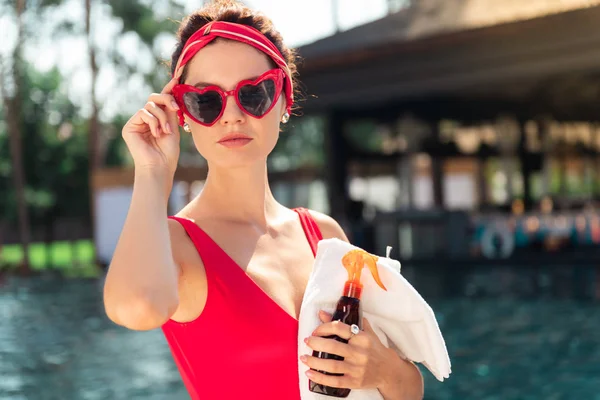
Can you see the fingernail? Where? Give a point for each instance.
(175, 105)
(168, 128)
(303, 359)
(306, 340)
(309, 373)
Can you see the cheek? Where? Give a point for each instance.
(274, 116)
(200, 136)
(267, 132)
(270, 126)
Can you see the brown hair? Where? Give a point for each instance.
(236, 12)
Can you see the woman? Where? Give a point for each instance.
(225, 277)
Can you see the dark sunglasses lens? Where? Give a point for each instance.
(204, 107)
(257, 99)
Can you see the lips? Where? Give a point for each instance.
(234, 136)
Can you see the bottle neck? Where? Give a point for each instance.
(353, 289)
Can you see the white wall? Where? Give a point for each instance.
(111, 210)
(112, 205)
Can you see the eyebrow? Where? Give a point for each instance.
(206, 84)
(203, 84)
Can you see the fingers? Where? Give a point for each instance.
(324, 316)
(337, 328)
(150, 120)
(169, 86)
(160, 115)
(353, 378)
(164, 100)
(367, 326)
(328, 345)
(326, 365)
(167, 104)
(335, 381)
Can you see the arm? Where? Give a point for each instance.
(404, 381)
(140, 291)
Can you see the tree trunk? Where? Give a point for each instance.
(12, 106)
(94, 124)
(13, 119)
(49, 239)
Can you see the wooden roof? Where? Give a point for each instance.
(426, 18)
(521, 52)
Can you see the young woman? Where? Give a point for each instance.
(225, 277)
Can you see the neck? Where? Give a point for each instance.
(240, 195)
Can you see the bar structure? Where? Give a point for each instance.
(477, 87)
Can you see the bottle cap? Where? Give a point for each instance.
(354, 262)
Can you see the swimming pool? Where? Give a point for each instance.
(55, 343)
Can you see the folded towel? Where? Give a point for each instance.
(399, 316)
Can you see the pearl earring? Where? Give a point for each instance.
(186, 127)
(285, 118)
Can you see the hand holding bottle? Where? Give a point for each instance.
(366, 364)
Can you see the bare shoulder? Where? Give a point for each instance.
(329, 226)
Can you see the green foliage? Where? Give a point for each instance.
(73, 259)
(7, 199)
(55, 131)
(54, 152)
(143, 20)
(116, 150)
(46, 3)
(363, 135)
(299, 145)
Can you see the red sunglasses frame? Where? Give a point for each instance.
(179, 90)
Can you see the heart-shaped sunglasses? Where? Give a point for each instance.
(254, 97)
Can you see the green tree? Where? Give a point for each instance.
(10, 76)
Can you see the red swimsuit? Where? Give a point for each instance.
(243, 345)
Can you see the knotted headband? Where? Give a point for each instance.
(241, 33)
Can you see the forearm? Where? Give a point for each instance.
(404, 381)
(141, 285)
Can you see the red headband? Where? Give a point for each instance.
(241, 33)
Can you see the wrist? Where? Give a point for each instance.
(153, 172)
(403, 380)
(390, 384)
(155, 177)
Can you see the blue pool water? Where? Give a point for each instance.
(504, 343)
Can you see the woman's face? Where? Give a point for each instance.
(224, 63)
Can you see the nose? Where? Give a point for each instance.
(232, 113)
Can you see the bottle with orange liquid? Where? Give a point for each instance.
(348, 310)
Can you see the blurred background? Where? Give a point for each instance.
(464, 133)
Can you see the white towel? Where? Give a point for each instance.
(400, 316)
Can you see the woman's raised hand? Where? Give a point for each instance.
(152, 133)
